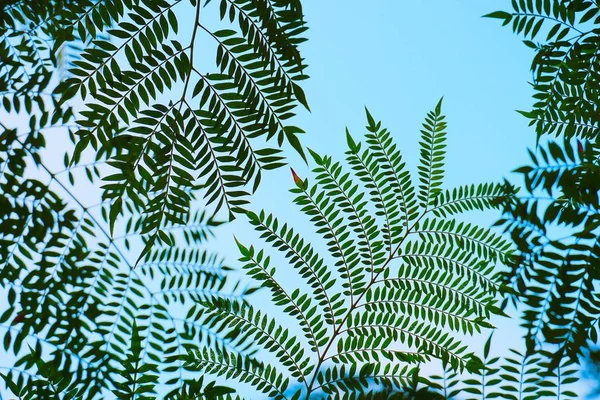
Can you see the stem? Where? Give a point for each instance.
(355, 305)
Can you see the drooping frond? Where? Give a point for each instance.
(263, 331)
(304, 258)
(265, 378)
(296, 304)
(170, 124)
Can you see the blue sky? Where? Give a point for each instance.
(398, 58)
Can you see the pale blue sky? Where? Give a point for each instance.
(398, 58)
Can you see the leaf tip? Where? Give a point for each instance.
(318, 159)
(297, 180)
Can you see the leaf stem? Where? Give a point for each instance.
(355, 305)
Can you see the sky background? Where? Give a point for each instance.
(398, 58)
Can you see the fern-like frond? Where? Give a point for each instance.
(340, 189)
(263, 331)
(304, 258)
(554, 228)
(554, 224)
(480, 241)
(393, 297)
(264, 378)
(394, 178)
(68, 287)
(156, 129)
(484, 382)
(467, 198)
(297, 305)
(348, 382)
(514, 376)
(564, 66)
(366, 168)
(438, 256)
(165, 125)
(140, 378)
(422, 336)
(331, 226)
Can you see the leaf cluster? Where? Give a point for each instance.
(514, 376)
(169, 126)
(554, 224)
(401, 279)
(564, 67)
(71, 301)
(555, 228)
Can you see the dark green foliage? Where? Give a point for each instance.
(75, 297)
(67, 282)
(516, 376)
(48, 384)
(70, 292)
(139, 378)
(399, 282)
(555, 228)
(555, 223)
(68, 289)
(485, 381)
(168, 127)
(565, 68)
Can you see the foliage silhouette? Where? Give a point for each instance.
(555, 224)
(514, 376)
(564, 68)
(408, 276)
(68, 286)
(165, 143)
(159, 132)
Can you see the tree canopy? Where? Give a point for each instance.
(171, 113)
